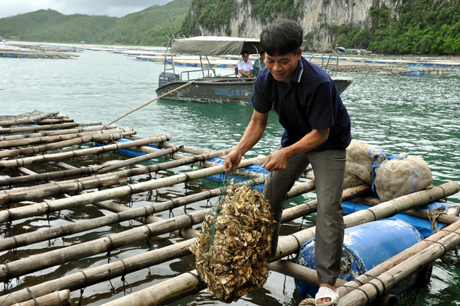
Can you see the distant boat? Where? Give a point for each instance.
(210, 88)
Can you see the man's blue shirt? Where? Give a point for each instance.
(311, 102)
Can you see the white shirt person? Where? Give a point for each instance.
(245, 67)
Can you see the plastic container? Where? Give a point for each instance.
(366, 246)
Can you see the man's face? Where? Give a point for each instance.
(282, 67)
(262, 57)
(245, 57)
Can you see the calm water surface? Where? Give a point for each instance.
(417, 115)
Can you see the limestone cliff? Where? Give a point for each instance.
(316, 17)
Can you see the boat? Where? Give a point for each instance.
(209, 87)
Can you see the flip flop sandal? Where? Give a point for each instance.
(325, 292)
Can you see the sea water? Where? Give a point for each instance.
(416, 115)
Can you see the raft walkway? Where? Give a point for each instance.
(20, 52)
(346, 63)
(44, 171)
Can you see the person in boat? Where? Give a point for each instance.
(317, 131)
(259, 64)
(245, 67)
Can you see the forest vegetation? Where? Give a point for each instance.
(147, 27)
(415, 27)
(422, 27)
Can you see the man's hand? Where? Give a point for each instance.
(277, 161)
(232, 161)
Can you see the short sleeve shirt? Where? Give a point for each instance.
(244, 66)
(311, 102)
(257, 63)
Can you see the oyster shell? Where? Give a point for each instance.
(234, 244)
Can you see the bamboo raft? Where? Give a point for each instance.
(24, 53)
(46, 171)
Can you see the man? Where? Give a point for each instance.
(317, 131)
(245, 67)
(259, 64)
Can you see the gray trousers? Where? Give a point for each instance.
(329, 170)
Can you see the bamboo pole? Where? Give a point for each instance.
(34, 188)
(123, 173)
(28, 120)
(60, 144)
(60, 116)
(184, 149)
(62, 132)
(415, 212)
(48, 139)
(63, 165)
(299, 272)
(152, 101)
(90, 123)
(58, 298)
(139, 159)
(54, 121)
(421, 213)
(97, 196)
(401, 271)
(162, 293)
(40, 193)
(38, 128)
(70, 154)
(84, 128)
(177, 157)
(115, 269)
(45, 177)
(138, 214)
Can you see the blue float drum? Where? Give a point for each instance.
(364, 247)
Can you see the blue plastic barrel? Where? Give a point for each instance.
(364, 247)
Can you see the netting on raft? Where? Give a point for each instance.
(233, 246)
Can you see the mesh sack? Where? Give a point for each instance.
(234, 244)
(359, 164)
(399, 176)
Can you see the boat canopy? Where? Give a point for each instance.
(215, 45)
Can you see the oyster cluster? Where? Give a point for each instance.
(234, 244)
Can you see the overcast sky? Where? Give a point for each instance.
(116, 8)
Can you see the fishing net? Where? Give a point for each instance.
(234, 243)
(390, 177)
(423, 275)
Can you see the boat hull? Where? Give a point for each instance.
(222, 90)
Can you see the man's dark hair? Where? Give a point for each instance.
(244, 52)
(262, 53)
(281, 37)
